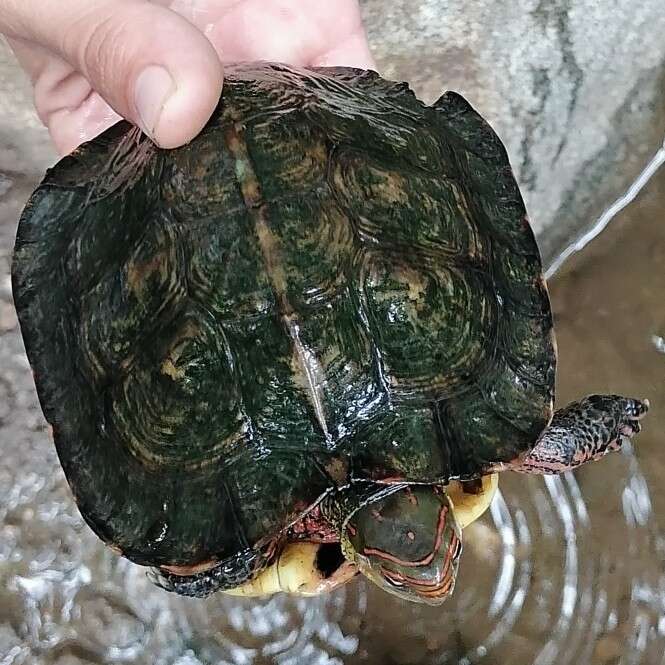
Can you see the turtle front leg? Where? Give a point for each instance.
(582, 432)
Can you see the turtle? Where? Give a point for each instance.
(302, 345)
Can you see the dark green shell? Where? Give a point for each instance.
(333, 281)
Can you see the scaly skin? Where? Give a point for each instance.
(404, 538)
(583, 431)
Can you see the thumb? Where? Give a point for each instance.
(148, 63)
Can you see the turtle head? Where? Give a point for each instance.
(409, 543)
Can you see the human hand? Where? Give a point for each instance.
(159, 63)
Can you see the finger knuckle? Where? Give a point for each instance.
(96, 42)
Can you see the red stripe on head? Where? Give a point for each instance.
(441, 525)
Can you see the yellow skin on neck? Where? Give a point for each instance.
(295, 571)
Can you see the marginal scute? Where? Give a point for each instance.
(513, 395)
(400, 446)
(473, 419)
(528, 347)
(498, 204)
(518, 280)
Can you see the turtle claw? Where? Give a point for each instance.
(636, 409)
(618, 414)
(161, 579)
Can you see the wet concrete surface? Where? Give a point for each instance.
(563, 570)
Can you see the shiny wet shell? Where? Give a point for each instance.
(332, 282)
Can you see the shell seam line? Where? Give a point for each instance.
(269, 245)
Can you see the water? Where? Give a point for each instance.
(562, 570)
